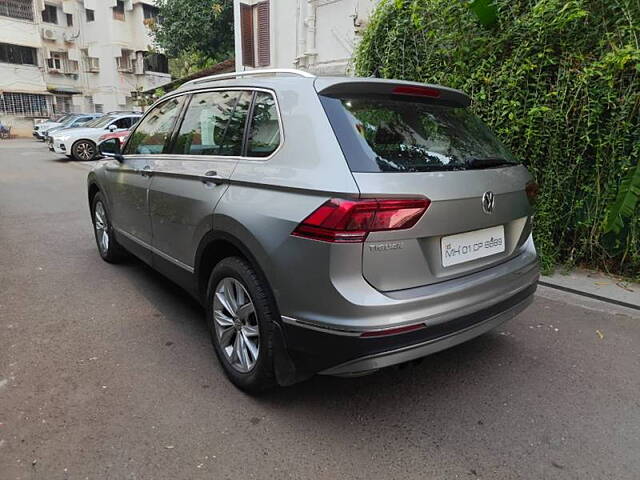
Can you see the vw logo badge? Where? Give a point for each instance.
(488, 202)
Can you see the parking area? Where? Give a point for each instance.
(108, 372)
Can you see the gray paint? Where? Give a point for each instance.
(259, 202)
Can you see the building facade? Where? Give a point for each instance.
(59, 56)
(315, 35)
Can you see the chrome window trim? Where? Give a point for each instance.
(172, 156)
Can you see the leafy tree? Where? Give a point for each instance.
(201, 30)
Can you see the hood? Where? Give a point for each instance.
(80, 132)
(47, 125)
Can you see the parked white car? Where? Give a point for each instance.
(40, 129)
(80, 143)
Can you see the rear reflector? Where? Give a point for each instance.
(350, 221)
(416, 91)
(393, 331)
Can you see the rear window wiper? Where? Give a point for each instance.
(488, 162)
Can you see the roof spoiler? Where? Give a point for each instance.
(335, 87)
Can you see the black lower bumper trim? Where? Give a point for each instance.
(313, 351)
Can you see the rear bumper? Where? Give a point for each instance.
(338, 353)
(444, 315)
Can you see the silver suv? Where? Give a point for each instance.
(327, 225)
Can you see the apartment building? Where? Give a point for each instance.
(75, 55)
(315, 35)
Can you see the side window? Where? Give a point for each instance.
(264, 133)
(214, 124)
(151, 135)
(124, 122)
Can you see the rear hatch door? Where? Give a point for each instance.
(411, 140)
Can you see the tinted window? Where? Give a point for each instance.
(150, 137)
(214, 124)
(124, 122)
(409, 136)
(264, 135)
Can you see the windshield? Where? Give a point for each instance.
(69, 121)
(409, 136)
(61, 118)
(99, 122)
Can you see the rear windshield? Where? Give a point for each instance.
(409, 136)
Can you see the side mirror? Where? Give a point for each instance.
(112, 128)
(111, 148)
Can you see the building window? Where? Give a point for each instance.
(59, 62)
(69, 20)
(255, 34)
(22, 9)
(150, 12)
(18, 54)
(63, 104)
(91, 15)
(90, 64)
(156, 62)
(99, 108)
(24, 104)
(124, 62)
(118, 10)
(50, 14)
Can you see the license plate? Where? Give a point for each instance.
(465, 247)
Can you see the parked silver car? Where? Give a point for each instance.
(327, 225)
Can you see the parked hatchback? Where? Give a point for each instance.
(327, 225)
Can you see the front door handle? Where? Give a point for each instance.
(212, 177)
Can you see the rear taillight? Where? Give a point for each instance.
(350, 221)
(416, 91)
(532, 189)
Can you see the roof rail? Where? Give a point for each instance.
(119, 112)
(247, 73)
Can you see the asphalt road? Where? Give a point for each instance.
(106, 372)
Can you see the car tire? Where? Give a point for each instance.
(84, 150)
(108, 247)
(236, 345)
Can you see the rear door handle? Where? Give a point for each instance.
(146, 171)
(212, 177)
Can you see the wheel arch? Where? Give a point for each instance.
(215, 246)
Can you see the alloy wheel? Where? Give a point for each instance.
(85, 151)
(101, 226)
(236, 324)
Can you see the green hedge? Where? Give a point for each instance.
(559, 81)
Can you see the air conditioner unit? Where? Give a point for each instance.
(49, 34)
(69, 37)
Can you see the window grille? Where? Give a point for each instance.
(63, 104)
(22, 9)
(18, 54)
(25, 104)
